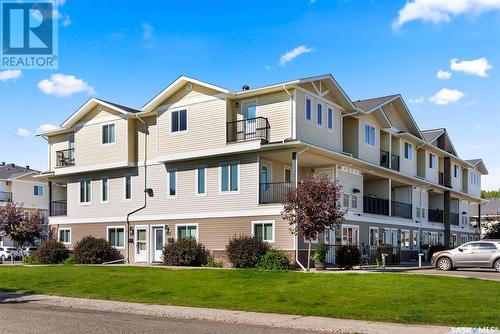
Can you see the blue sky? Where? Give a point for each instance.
(127, 52)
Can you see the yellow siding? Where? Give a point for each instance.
(367, 152)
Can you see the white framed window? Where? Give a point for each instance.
(65, 235)
(464, 239)
(108, 133)
(441, 238)
(105, 189)
(345, 200)
(433, 238)
(456, 171)
(37, 190)
(308, 109)
(432, 161)
(172, 183)
(418, 212)
(408, 151)
(319, 115)
(415, 238)
(329, 118)
(127, 187)
(423, 213)
(350, 234)
(454, 240)
(369, 135)
(85, 192)
(374, 239)
(287, 174)
(354, 201)
(405, 238)
(184, 231)
(116, 236)
(229, 177)
(263, 230)
(178, 121)
(201, 181)
(314, 240)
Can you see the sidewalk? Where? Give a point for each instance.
(246, 318)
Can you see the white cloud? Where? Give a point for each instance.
(477, 67)
(46, 127)
(64, 85)
(9, 74)
(437, 11)
(446, 96)
(443, 75)
(23, 132)
(417, 100)
(66, 20)
(147, 31)
(291, 55)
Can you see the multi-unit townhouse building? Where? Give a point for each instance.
(22, 186)
(203, 161)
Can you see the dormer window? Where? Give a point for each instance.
(108, 133)
(179, 120)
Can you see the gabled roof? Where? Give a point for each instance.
(479, 164)
(491, 207)
(369, 105)
(432, 135)
(13, 171)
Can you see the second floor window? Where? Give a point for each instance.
(369, 135)
(408, 151)
(308, 109)
(432, 161)
(229, 177)
(346, 200)
(128, 187)
(319, 118)
(288, 175)
(104, 189)
(38, 190)
(85, 191)
(108, 133)
(179, 120)
(455, 171)
(201, 180)
(354, 201)
(330, 118)
(172, 183)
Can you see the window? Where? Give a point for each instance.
(405, 238)
(319, 118)
(373, 236)
(464, 239)
(116, 236)
(433, 238)
(418, 212)
(464, 220)
(187, 231)
(369, 135)
(349, 235)
(263, 230)
(38, 190)
(354, 201)
(330, 118)
(201, 179)
(486, 245)
(229, 177)
(65, 235)
(104, 189)
(415, 237)
(179, 120)
(346, 200)
(455, 171)
(474, 178)
(85, 191)
(172, 183)
(432, 161)
(288, 175)
(441, 238)
(408, 151)
(423, 213)
(108, 133)
(128, 187)
(453, 240)
(308, 109)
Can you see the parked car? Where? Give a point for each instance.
(7, 252)
(476, 254)
(29, 250)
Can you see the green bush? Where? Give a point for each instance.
(212, 263)
(274, 259)
(185, 252)
(29, 260)
(245, 252)
(347, 256)
(70, 259)
(90, 250)
(320, 253)
(51, 252)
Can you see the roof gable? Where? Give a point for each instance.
(479, 165)
(440, 139)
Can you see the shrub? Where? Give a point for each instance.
(320, 253)
(185, 252)
(245, 252)
(92, 250)
(274, 259)
(436, 248)
(51, 252)
(70, 259)
(29, 260)
(348, 256)
(212, 263)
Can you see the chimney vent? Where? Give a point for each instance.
(27, 166)
(3, 163)
(245, 87)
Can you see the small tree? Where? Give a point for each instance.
(492, 228)
(312, 208)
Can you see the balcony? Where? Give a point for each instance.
(375, 205)
(274, 192)
(435, 215)
(5, 196)
(399, 209)
(395, 162)
(384, 158)
(248, 129)
(58, 208)
(65, 157)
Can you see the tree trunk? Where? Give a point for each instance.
(309, 254)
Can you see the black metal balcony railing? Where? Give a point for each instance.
(453, 218)
(65, 157)
(58, 208)
(274, 192)
(395, 162)
(384, 158)
(441, 179)
(400, 209)
(248, 129)
(375, 205)
(435, 215)
(5, 196)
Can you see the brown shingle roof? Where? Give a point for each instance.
(10, 171)
(492, 207)
(369, 104)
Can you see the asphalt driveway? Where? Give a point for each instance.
(488, 274)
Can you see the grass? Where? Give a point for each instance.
(380, 297)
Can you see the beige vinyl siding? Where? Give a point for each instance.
(408, 167)
(309, 131)
(132, 141)
(456, 182)
(350, 181)
(22, 192)
(421, 201)
(432, 174)
(368, 152)
(152, 138)
(56, 143)
(474, 189)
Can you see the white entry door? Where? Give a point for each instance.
(141, 244)
(158, 240)
(394, 239)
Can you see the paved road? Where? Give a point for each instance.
(466, 272)
(24, 318)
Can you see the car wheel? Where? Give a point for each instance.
(497, 265)
(444, 263)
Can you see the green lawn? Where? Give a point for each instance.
(380, 297)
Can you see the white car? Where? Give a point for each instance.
(28, 251)
(7, 252)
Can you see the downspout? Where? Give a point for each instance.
(297, 236)
(292, 124)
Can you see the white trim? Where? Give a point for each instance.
(186, 225)
(148, 249)
(182, 104)
(227, 192)
(263, 222)
(328, 107)
(125, 199)
(322, 125)
(253, 145)
(374, 135)
(205, 169)
(370, 228)
(114, 133)
(101, 120)
(59, 235)
(404, 150)
(308, 92)
(176, 172)
(80, 192)
(349, 226)
(125, 236)
(152, 239)
(43, 190)
(107, 189)
(242, 102)
(307, 97)
(178, 132)
(92, 168)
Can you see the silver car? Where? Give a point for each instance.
(476, 254)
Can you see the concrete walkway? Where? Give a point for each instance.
(225, 316)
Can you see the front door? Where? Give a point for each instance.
(394, 240)
(158, 237)
(266, 190)
(141, 244)
(330, 242)
(249, 113)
